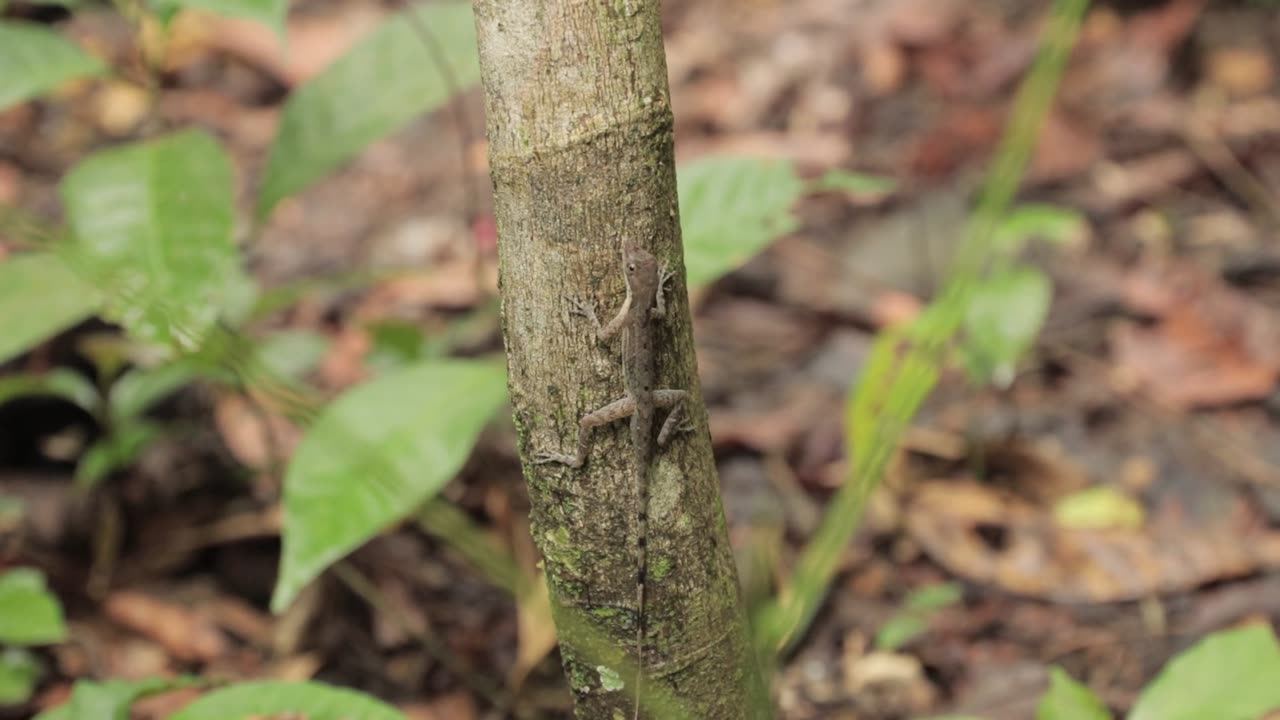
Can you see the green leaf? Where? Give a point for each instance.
(856, 183)
(1055, 225)
(311, 700)
(1069, 700)
(39, 297)
(292, 353)
(140, 388)
(1098, 508)
(395, 344)
(110, 700)
(29, 613)
(374, 455)
(1002, 320)
(730, 209)
(934, 597)
(35, 59)
(18, 674)
(268, 12)
(153, 224)
(115, 451)
(389, 78)
(918, 608)
(900, 630)
(11, 511)
(1230, 675)
(60, 382)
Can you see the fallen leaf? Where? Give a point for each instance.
(119, 107)
(1241, 72)
(1098, 508)
(1211, 345)
(187, 635)
(535, 628)
(314, 41)
(454, 706)
(256, 436)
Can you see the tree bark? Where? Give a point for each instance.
(580, 154)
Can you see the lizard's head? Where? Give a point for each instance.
(639, 265)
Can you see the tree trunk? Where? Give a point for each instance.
(580, 153)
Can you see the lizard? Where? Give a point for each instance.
(645, 302)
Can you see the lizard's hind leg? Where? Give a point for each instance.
(673, 399)
(616, 410)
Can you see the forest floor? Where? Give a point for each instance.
(1154, 377)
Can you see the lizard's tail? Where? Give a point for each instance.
(642, 562)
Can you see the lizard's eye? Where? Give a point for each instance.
(631, 267)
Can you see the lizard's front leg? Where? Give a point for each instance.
(616, 410)
(659, 309)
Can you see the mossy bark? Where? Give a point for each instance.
(580, 154)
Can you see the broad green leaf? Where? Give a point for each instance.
(1230, 675)
(856, 183)
(35, 59)
(268, 12)
(18, 673)
(66, 384)
(1052, 224)
(917, 609)
(395, 344)
(39, 297)
(153, 224)
(292, 353)
(11, 511)
(376, 454)
(900, 630)
(1069, 700)
(110, 700)
(29, 613)
(730, 209)
(934, 597)
(140, 388)
(385, 81)
(1003, 318)
(311, 700)
(115, 451)
(1098, 508)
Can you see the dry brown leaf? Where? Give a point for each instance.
(817, 149)
(314, 41)
(454, 706)
(163, 705)
(1119, 186)
(119, 107)
(884, 68)
(535, 628)
(10, 185)
(1211, 346)
(992, 536)
(1063, 150)
(256, 437)
(185, 634)
(776, 428)
(1241, 72)
(242, 619)
(922, 22)
(343, 366)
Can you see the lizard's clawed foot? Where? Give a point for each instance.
(665, 273)
(544, 457)
(582, 307)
